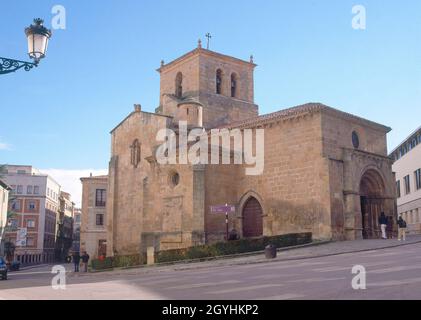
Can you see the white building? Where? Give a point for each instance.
(4, 200)
(35, 204)
(407, 167)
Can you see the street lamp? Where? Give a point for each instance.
(38, 37)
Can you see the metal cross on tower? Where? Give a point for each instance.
(208, 35)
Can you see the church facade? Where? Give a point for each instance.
(325, 171)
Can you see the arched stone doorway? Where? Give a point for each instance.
(252, 218)
(372, 191)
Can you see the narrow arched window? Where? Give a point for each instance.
(218, 81)
(135, 153)
(233, 85)
(179, 85)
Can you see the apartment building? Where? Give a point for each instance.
(93, 231)
(35, 207)
(4, 200)
(76, 229)
(407, 167)
(64, 234)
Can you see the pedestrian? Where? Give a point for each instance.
(389, 229)
(76, 260)
(383, 224)
(233, 235)
(401, 229)
(85, 260)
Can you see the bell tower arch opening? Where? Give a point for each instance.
(372, 191)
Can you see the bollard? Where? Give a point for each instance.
(270, 252)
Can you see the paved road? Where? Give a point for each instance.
(393, 273)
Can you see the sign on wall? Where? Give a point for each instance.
(21, 237)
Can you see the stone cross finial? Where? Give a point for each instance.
(162, 63)
(251, 59)
(199, 44)
(137, 108)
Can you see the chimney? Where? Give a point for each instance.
(137, 108)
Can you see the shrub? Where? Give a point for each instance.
(233, 247)
(117, 261)
(97, 264)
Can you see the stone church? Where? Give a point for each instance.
(325, 171)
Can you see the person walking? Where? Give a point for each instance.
(85, 260)
(76, 260)
(401, 229)
(383, 224)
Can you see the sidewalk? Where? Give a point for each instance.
(314, 250)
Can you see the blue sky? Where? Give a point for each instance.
(59, 115)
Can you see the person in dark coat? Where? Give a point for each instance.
(383, 224)
(401, 229)
(76, 260)
(85, 260)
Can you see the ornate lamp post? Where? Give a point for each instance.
(38, 37)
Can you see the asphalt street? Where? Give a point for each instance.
(393, 273)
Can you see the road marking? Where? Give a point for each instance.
(394, 282)
(302, 264)
(395, 269)
(160, 281)
(332, 269)
(239, 289)
(206, 284)
(287, 296)
(316, 280)
(273, 276)
(28, 273)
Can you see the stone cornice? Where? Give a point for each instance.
(300, 111)
(199, 51)
(366, 154)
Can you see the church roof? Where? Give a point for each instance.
(297, 111)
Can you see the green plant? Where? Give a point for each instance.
(233, 247)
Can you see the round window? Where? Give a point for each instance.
(355, 140)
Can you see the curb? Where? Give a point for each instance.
(194, 261)
(217, 258)
(189, 265)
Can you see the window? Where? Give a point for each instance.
(234, 85)
(219, 81)
(21, 171)
(407, 185)
(30, 223)
(398, 188)
(135, 153)
(99, 219)
(174, 179)
(20, 189)
(29, 189)
(100, 199)
(179, 85)
(30, 242)
(418, 179)
(355, 140)
(16, 205)
(31, 205)
(13, 223)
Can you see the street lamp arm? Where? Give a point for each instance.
(10, 65)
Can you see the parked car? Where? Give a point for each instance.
(3, 269)
(14, 266)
